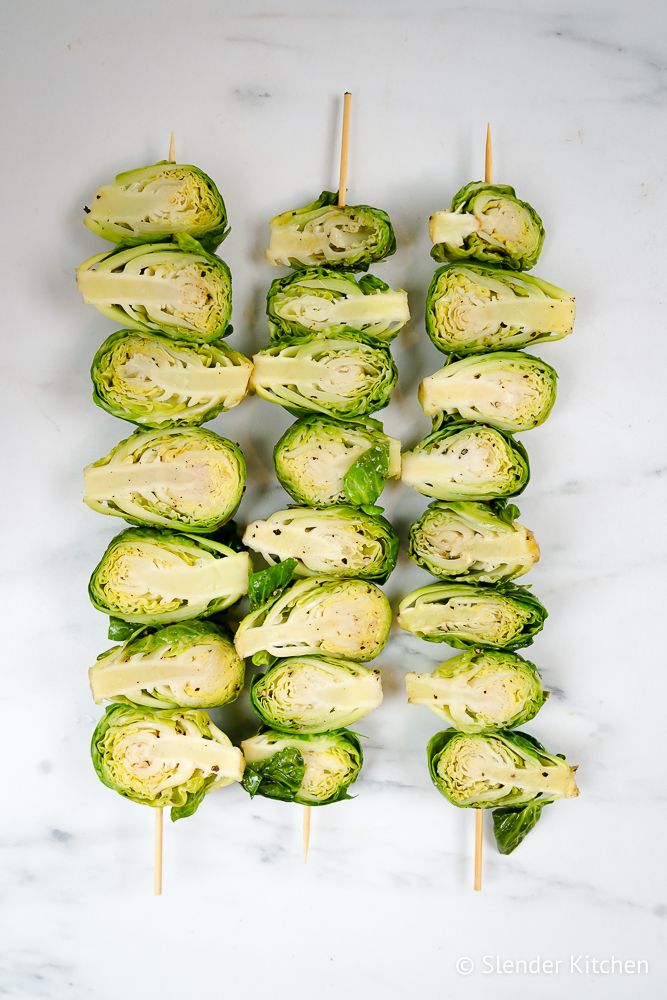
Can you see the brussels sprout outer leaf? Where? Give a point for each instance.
(364, 480)
(277, 777)
(512, 825)
(269, 583)
(120, 630)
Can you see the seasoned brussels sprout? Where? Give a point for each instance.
(187, 478)
(336, 541)
(465, 461)
(187, 665)
(472, 308)
(473, 542)
(152, 577)
(158, 382)
(479, 690)
(315, 694)
(506, 769)
(312, 770)
(489, 223)
(321, 461)
(466, 614)
(350, 237)
(342, 377)
(319, 300)
(163, 758)
(509, 390)
(177, 287)
(152, 203)
(349, 618)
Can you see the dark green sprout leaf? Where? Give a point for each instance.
(193, 803)
(278, 777)
(364, 480)
(512, 825)
(119, 630)
(269, 583)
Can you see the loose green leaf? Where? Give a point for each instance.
(277, 777)
(511, 826)
(270, 583)
(364, 480)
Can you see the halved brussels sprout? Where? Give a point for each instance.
(315, 694)
(349, 618)
(152, 577)
(489, 223)
(321, 461)
(187, 478)
(510, 770)
(163, 758)
(479, 690)
(466, 614)
(509, 390)
(473, 542)
(337, 541)
(312, 770)
(465, 461)
(177, 288)
(152, 203)
(187, 665)
(350, 237)
(319, 300)
(472, 308)
(158, 382)
(342, 377)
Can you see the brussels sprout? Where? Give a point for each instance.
(510, 770)
(489, 223)
(187, 478)
(471, 308)
(321, 461)
(152, 203)
(177, 287)
(350, 237)
(509, 390)
(152, 577)
(466, 614)
(315, 694)
(311, 770)
(473, 542)
(187, 665)
(342, 377)
(319, 300)
(480, 689)
(158, 382)
(349, 618)
(336, 541)
(160, 759)
(465, 461)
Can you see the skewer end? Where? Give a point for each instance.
(172, 148)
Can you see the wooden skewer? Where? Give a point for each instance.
(479, 813)
(342, 198)
(159, 813)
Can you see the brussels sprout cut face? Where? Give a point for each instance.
(512, 391)
(338, 541)
(177, 288)
(161, 759)
(158, 382)
(153, 577)
(489, 223)
(310, 770)
(342, 377)
(349, 618)
(350, 237)
(473, 542)
(185, 478)
(319, 300)
(479, 690)
(467, 615)
(482, 771)
(188, 665)
(466, 462)
(315, 694)
(471, 308)
(320, 461)
(152, 203)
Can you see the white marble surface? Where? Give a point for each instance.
(577, 94)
